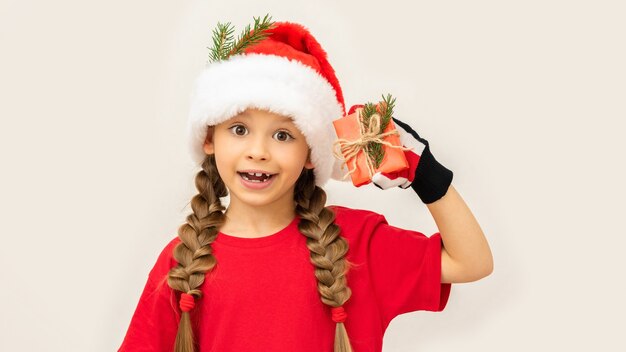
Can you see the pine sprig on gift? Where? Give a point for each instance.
(387, 110)
(376, 151)
(223, 44)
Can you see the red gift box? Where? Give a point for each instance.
(356, 141)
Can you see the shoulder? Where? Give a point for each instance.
(165, 260)
(357, 225)
(355, 216)
(167, 253)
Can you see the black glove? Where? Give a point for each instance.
(425, 175)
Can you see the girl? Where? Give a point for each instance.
(279, 270)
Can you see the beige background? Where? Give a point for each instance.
(523, 100)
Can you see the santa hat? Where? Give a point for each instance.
(287, 73)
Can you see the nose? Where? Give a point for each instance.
(258, 149)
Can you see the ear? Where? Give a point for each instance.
(209, 146)
(309, 164)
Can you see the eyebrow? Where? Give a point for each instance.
(283, 118)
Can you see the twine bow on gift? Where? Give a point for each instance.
(350, 149)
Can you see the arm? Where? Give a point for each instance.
(465, 255)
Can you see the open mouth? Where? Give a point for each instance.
(256, 177)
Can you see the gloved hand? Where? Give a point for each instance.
(425, 175)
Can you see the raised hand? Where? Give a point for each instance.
(425, 175)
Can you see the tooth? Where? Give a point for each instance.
(258, 174)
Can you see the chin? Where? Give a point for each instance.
(257, 200)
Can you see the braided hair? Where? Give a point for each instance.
(194, 253)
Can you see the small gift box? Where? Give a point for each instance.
(369, 142)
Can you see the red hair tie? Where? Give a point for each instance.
(187, 302)
(339, 315)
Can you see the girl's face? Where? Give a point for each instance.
(259, 140)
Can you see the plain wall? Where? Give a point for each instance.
(523, 101)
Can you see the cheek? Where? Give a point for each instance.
(224, 159)
(293, 156)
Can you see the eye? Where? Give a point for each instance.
(284, 133)
(235, 127)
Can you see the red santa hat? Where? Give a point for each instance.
(287, 73)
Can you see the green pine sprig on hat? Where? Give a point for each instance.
(223, 44)
(376, 150)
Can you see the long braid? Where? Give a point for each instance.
(327, 247)
(194, 253)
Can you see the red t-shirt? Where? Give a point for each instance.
(262, 294)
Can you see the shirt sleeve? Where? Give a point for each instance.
(405, 269)
(154, 324)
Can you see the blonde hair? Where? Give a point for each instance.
(195, 255)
